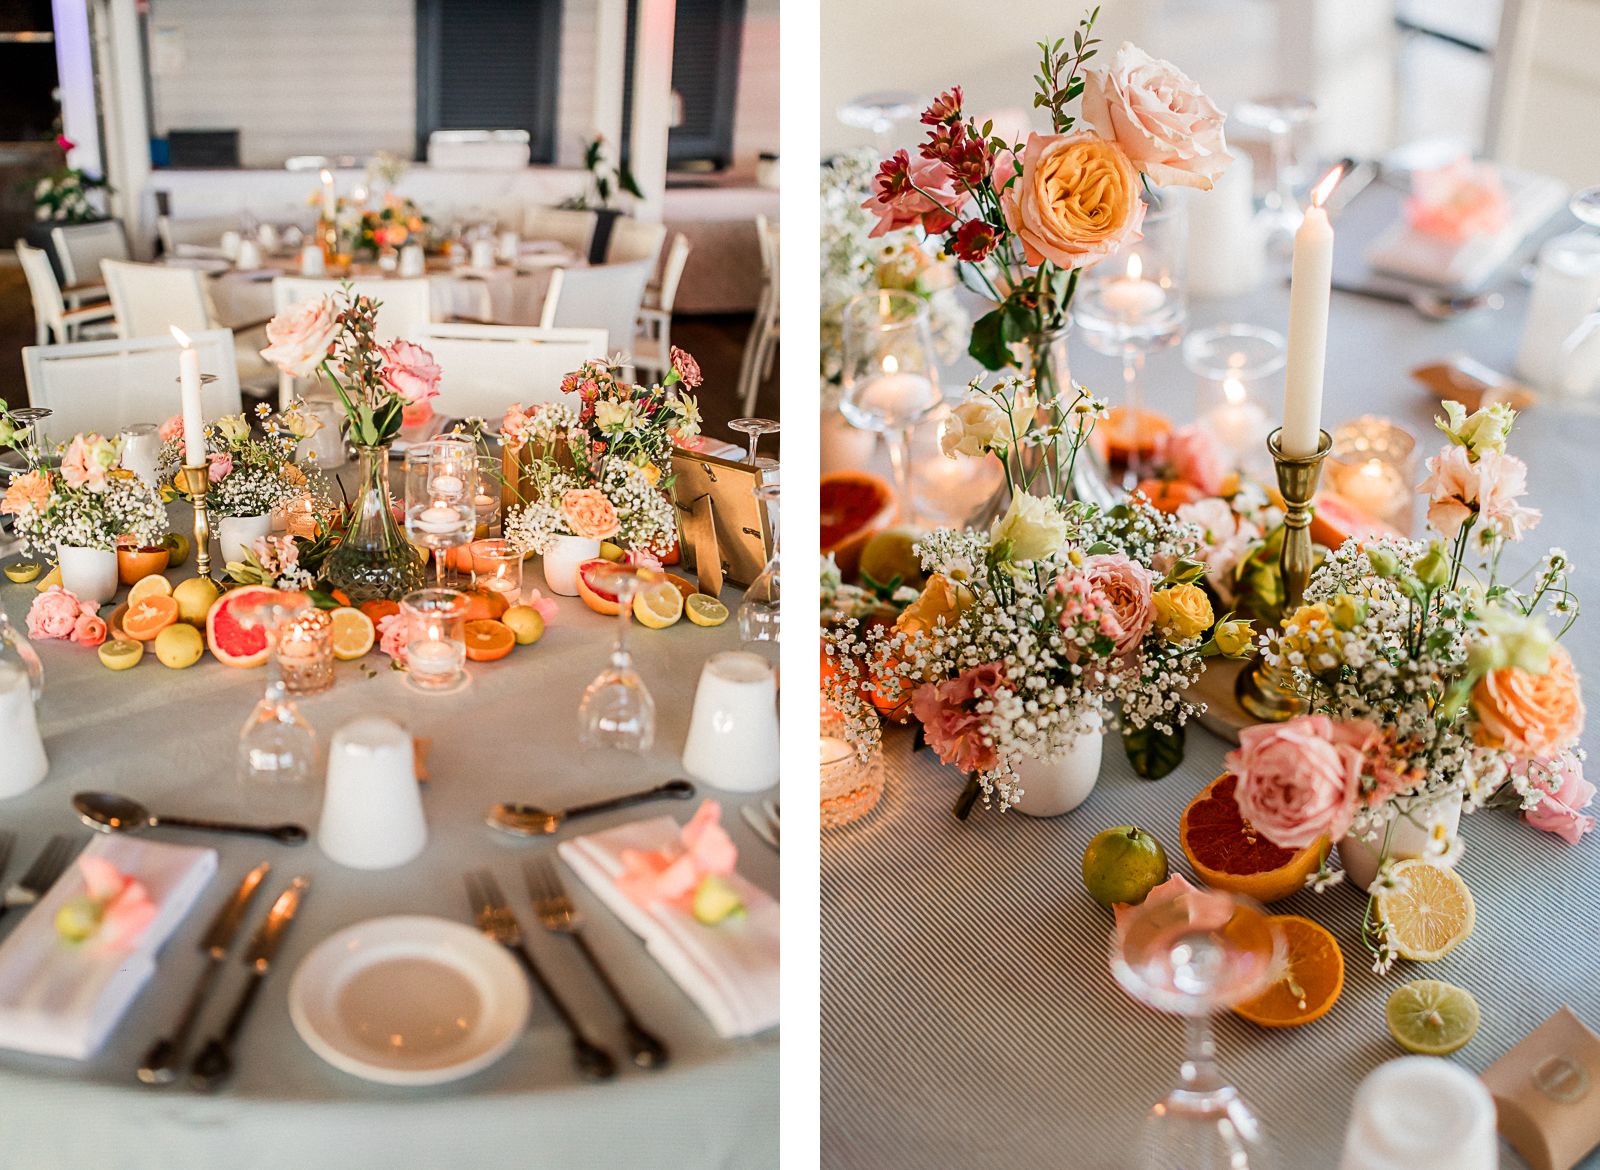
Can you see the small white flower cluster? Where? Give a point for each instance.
(645, 516)
(80, 518)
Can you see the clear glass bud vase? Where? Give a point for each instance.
(1043, 357)
(374, 560)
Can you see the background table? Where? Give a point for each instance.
(969, 1014)
(168, 738)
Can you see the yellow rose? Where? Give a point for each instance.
(1183, 612)
(1233, 638)
(941, 600)
(1075, 201)
(652, 474)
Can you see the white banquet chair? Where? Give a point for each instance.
(489, 367)
(104, 386)
(575, 229)
(760, 349)
(633, 240)
(405, 307)
(652, 348)
(80, 247)
(51, 317)
(604, 296)
(196, 236)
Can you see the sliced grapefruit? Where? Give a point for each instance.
(595, 584)
(234, 644)
(1228, 854)
(1123, 432)
(488, 640)
(854, 505)
(148, 616)
(1312, 978)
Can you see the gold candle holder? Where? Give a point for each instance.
(1266, 691)
(195, 482)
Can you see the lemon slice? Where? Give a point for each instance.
(1430, 914)
(611, 552)
(53, 577)
(1431, 1017)
(155, 585)
(24, 571)
(353, 633)
(121, 653)
(705, 610)
(658, 605)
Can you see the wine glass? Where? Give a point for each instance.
(758, 612)
(1280, 116)
(617, 710)
(16, 649)
(1193, 954)
(890, 379)
(441, 498)
(753, 429)
(879, 113)
(276, 745)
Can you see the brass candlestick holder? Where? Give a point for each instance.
(1266, 691)
(194, 482)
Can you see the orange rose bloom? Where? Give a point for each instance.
(30, 491)
(1530, 715)
(942, 601)
(1076, 200)
(589, 514)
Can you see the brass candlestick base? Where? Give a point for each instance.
(1265, 691)
(195, 482)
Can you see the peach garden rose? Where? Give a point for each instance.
(1076, 200)
(1530, 715)
(299, 337)
(589, 514)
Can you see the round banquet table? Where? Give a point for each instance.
(969, 1015)
(167, 737)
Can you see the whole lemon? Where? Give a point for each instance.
(195, 597)
(179, 646)
(1123, 864)
(526, 623)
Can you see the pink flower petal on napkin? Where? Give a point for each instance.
(126, 917)
(707, 842)
(103, 880)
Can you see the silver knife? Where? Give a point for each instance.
(160, 1064)
(214, 1064)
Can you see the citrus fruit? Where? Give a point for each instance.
(715, 899)
(595, 585)
(658, 605)
(1228, 854)
(705, 610)
(177, 545)
(148, 616)
(232, 643)
(1168, 495)
(891, 556)
(179, 646)
(488, 639)
(154, 585)
(79, 918)
(1125, 431)
(195, 597)
(1313, 977)
(52, 578)
(610, 552)
(1335, 519)
(683, 585)
(1430, 1017)
(485, 605)
(23, 571)
(135, 564)
(853, 506)
(1430, 913)
(121, 653)
(353, 633)
(379, 609)
(526, 623)
(1123, 864)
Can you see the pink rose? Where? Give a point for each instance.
(1458, 488)
(898, 203)
(1563, 792)
(1300, 780)
(87, 462)
(409, 372)
(219, 466)
(393, 636)
(1169, 129)
(172, 429)
(1129, 590)
(89, 630)
(955, 729)
(589, 514)
(1195, 457)
(546, 606)
(1076, 200)
(300, 337)
(659, 875)
(54, 614)
(1458, 201)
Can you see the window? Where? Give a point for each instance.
(705, 77)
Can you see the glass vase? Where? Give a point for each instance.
(1043, 357)
(374, 561)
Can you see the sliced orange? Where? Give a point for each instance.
(151, 586)
(854, 505)
(682, 585)
(488, 639)
(485, 605)
(353, 633)
(148, 616)
(379, 609)
(1312, 979)
(1228, 854)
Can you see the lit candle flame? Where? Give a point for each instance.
(327, 178)
(890, 363)
(1135, 267)
(1320, 193)
(183, 338)
(1233, 391)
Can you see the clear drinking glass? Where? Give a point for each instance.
(879, 113)
(1193, 954)
(436, 639)
(753, 429)
(617, 710)
(441, 498)
(277, 745)
(759, 611)
(497, 567)
(491, 476)
(890, 377)
(1280, 117)
(16, 649)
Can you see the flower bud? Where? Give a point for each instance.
(1233, 638)
(1433, 568)
(1346, 611)
(1384, 563)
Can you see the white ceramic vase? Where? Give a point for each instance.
(1053, 787)
(1409, 836)
(235, 535)
(90, 573)
(561, 563)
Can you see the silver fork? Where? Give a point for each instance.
(555, 911)
(42, 874)
(495, 919)
(8, 842)
(763, 821)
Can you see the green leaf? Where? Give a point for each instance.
(988, 346)
(1153, 753)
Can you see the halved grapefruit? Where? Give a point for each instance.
(1228, 854)
(1335, 519)
(596, 588)
(231, 643)
(854, 505)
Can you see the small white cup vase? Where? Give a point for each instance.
(1053, 787)
(312, 261)
(249, 257)
(372, 809)
(733, 732)
(235, 535)
(1421, 1113)
(413, 262)
(561, 561)
(89, 573)
(1409, 836)
(26, 764)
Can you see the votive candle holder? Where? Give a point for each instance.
(436, 645)
(497, 567)
(304, 646)
(1373, 467)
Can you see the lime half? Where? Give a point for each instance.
(1432, 1017)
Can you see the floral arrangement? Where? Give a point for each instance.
(63, 195)
(693, 875)
(90, 501)
(1023, 218)
(114, 909)
(273, 561)
(606, 178)
(249, 476)
(391, 225)
(60, 613)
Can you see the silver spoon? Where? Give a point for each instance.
(1434, 306)
(106, 812)
(524, 820)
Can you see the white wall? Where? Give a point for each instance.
(755, 125)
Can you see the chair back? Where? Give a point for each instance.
(1545, 87)
(575, 229)
(48, 306)
(104, 386)
(633, 240)
(149, 299)
(404, 306)
(196, 236)
(605, 296)
(81, 246)
(672, 270)
(489, 367)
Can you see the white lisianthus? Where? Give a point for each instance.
(979, 426)
(1033, 526)
(613, 416)
(233, 427)
(1511, 639)
(1483, 431)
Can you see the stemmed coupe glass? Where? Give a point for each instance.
(1280, 116)
(277, 745)
(441, 498)
(617, 710)
(753, 429)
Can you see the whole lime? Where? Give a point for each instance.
(1123, 864)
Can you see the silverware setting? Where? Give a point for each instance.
(553, 907)
(525, 820)
(1434, 306)
(42, 874)
(107, 812)
(495, 919)
(763, 820)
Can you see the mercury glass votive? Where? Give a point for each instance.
(497, 567)
(436, 645)
(300, 517)
(851, 787)
(1373, 467)
(1237, 367)
(304, 646)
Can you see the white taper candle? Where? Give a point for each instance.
(1311, 284)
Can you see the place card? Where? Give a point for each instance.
(740, 531)
(1547, 1092)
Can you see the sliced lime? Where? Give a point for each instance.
(1432, 1017)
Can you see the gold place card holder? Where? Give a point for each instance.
(726, 532)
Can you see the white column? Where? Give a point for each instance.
(75, 67)
(652, 102)
(122, 93)
(610, 61)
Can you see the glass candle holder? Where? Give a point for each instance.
(487, 501)
(300, 517)
(1236, 367)
(497, 567)
(851, 788)
(1373, 467)
(436, 646)
(304, 646)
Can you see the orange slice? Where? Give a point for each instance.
(1312, 979)
(1228, 854)
(488, 640)
(353, 633)
(148, 616)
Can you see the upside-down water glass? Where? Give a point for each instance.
(277, 745)
(618, 710)
(759, 611)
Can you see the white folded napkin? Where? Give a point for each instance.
(729, 970)
(63, 999)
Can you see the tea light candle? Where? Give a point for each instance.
(445, 485)
(432, 657)
(1238, 423)
(438, 518)
(1373, 468)
(897, 394)
(1132, 297)
(850, 788)
(300, 517)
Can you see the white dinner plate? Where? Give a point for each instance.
(409, 1000)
